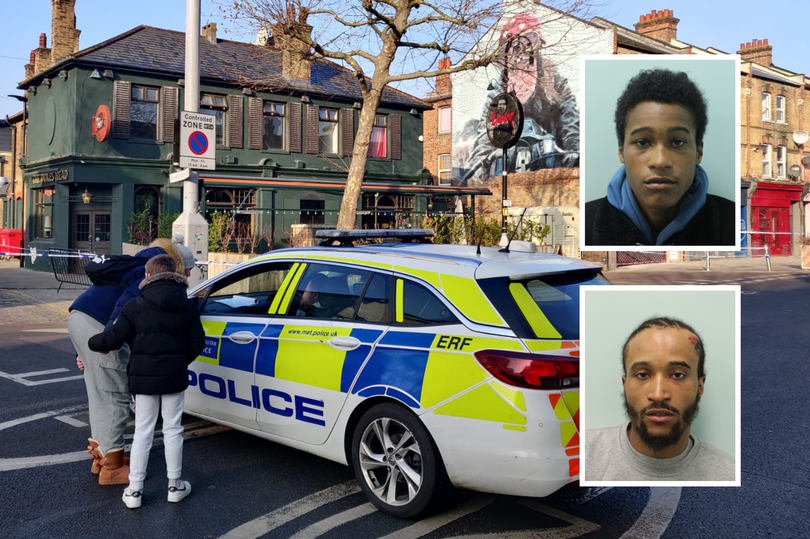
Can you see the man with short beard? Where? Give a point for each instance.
(663, 381)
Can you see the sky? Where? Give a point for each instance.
(722, 24)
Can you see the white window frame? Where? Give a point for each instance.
(766, 107)
(335, 150)
(767, 164)
(445, 170)
(780, 109)
(781, 161)
(448, 110)
(213, 107)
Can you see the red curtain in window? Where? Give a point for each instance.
(378, 142)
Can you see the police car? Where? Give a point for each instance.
(415, 363)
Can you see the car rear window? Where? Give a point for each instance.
(558, 298)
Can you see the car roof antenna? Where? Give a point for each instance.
(506, 249)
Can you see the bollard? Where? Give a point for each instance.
(767, 258)
(708, 264)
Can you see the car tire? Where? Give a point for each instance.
(416, 466)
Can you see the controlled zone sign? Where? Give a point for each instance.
(198, 135)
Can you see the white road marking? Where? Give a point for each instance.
(72, 421)
(328, 524)
(43, 415)
(657, 515)
(52, 330)
(424, 527)
(6, 465)
(269, 522)
(22, 378)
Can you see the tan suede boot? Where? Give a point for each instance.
(114, 471)
(96, 455)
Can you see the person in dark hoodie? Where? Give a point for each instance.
(165, 335)
(105, 376)
(660, 194)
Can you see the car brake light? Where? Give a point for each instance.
(530, 371)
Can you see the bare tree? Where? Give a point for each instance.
(385, 42)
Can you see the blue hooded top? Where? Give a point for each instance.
(104, 303)
(621, 197)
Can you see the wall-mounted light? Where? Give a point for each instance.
(305, 99)
(86, 196)
(46, 82)
(32, 90)
(108, 73)
(357, 105)
(63, 74)
(96, 74)
(414, 112)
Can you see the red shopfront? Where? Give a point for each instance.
(770, 215)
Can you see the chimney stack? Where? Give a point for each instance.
(209, 32)
(41, 55)
(660, 24)
(31, 65)
(64, 35)
(443, 84)
(296, 63)
(757, 51)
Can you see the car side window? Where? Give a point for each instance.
(247, 292)
(329, 292)
(421, 307)
(377, 303)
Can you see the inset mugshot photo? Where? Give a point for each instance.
(660, 166)
(660, 379)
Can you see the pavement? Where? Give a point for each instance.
(30, 297)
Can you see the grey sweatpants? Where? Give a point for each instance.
(105, 377)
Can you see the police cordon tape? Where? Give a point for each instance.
(32, 252)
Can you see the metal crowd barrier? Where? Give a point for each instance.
(68, 266)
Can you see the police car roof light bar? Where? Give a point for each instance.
(346, 237)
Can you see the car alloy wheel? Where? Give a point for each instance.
(395, 461)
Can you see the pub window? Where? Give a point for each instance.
(312, 212)
(273, 126)
(43, 212)
(328, 131)
(217, 106)
(379, 138)
(143, 112)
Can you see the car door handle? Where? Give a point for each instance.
(242, 337)
(344, 343)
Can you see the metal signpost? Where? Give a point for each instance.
(504, 127)
(197, 143)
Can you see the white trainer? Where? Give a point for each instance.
(132, 498)
(178, 493)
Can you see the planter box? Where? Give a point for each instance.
(805, 256)
(229, 259)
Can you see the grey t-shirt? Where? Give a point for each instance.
(610, 457)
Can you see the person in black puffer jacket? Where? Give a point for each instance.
(165, 335)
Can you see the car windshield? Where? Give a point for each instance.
(558, 298)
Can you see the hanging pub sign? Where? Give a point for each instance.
(504, 120)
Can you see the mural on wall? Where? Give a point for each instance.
(546, 84)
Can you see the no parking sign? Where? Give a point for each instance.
(198, 134)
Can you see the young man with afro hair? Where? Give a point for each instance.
(659, 196)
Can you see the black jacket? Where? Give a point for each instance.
(714, 224)
(164, 332)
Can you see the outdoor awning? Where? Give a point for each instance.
(212, 180)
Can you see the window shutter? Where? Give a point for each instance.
(396, 135)
(295, 127)
(312, 129)
(122, 92)
(235, 121)
(169, 111)
(347, 127)
(255, 106)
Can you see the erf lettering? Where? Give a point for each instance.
(453, 343)
(272, 400)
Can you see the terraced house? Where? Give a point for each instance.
(101, 141)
